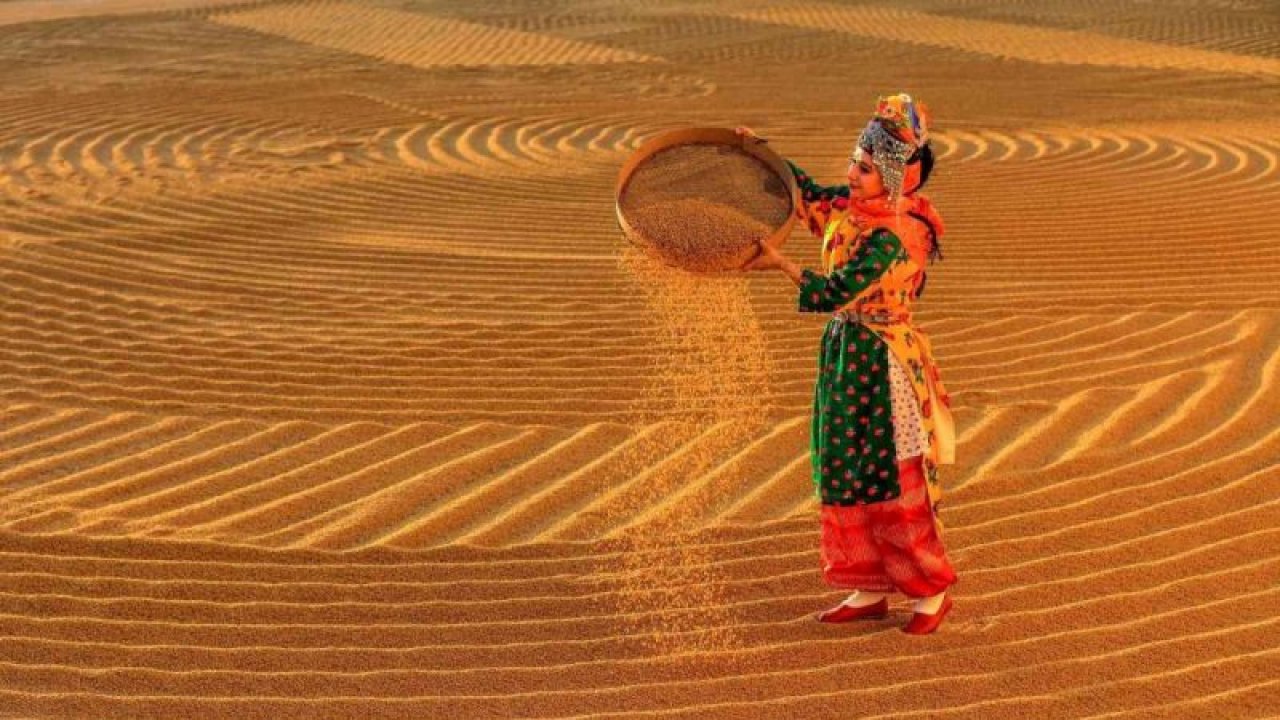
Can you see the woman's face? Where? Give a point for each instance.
(865, 181)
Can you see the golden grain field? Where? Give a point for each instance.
(329, 387)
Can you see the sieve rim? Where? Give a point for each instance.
(716, 136)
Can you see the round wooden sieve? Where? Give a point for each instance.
(741, 245)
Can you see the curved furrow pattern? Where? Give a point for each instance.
(1045, 441)
(1232, 27)
(351, 306)
(127, 152)
(560, 145)
(418, 39)
(1007, 40)
(1142, 348)
(19, 12)
(1248, 606)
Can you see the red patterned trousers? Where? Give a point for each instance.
(888, 545)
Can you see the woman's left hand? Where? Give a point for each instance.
(767, 259)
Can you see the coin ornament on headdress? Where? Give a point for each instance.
(898, 130)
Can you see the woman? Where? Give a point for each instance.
(881, 416)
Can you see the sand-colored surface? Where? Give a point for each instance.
(328, 390)
(419, 39)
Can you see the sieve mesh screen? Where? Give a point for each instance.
(704, 206)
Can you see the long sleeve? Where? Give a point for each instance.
(818, 203)
(825, 293)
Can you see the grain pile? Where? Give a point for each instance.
(703, 207)
(700, 236)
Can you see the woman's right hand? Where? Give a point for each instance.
(767, 258)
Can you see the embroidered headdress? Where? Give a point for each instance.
(894, 136)
(897, 132)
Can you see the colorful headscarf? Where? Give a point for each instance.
(898, 130)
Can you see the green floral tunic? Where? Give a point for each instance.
(868, 266)
(851, 438)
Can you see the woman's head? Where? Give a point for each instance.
(892, 156)
(866, 180)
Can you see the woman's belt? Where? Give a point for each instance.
(879, 317)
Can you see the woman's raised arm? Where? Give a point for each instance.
(818, 203)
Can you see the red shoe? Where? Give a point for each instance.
(845, 613)
(923, 624)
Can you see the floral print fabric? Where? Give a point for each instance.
(867, 267)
